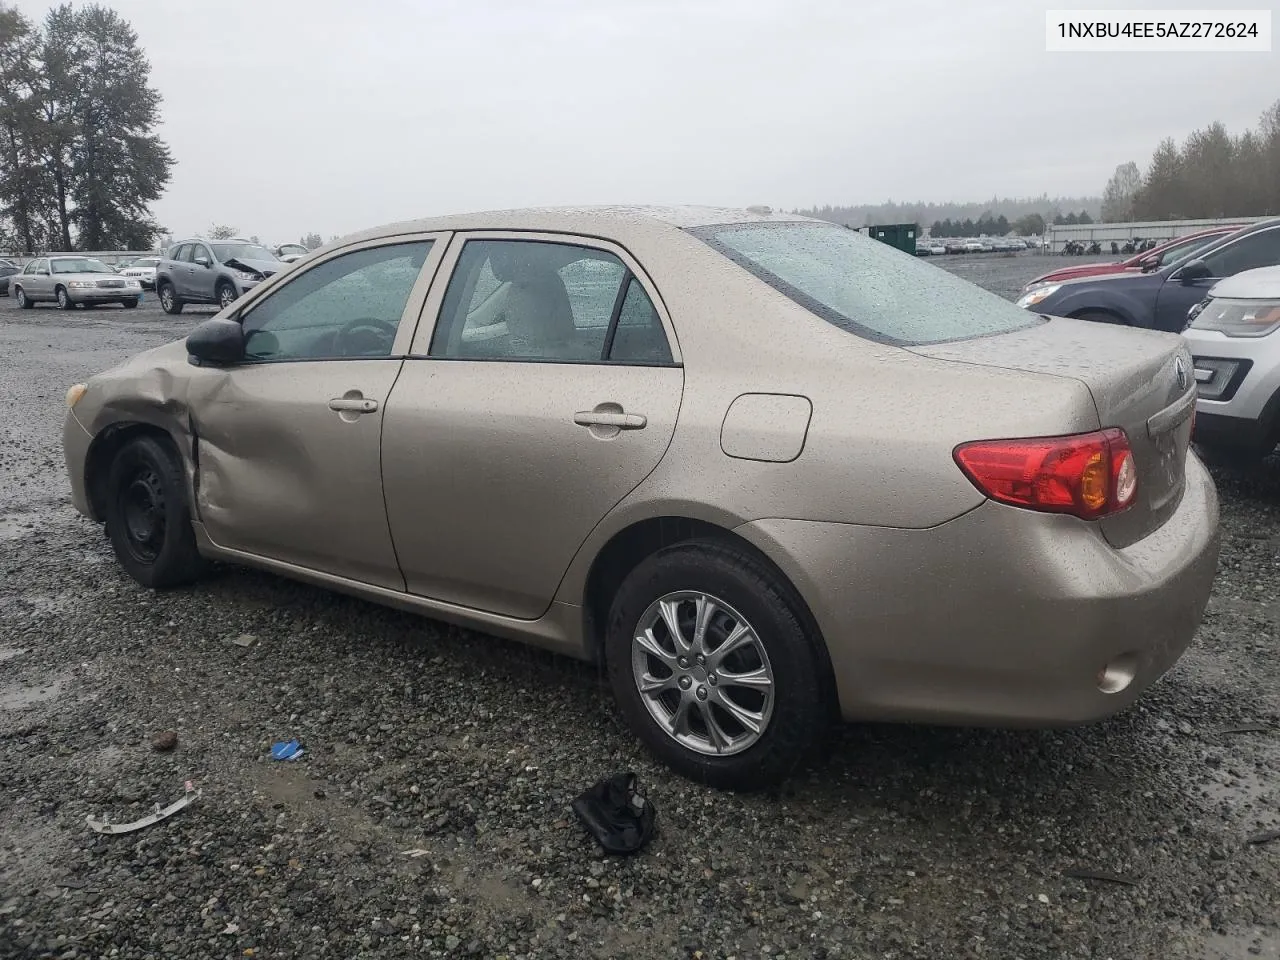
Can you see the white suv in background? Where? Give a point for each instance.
(1235, 342)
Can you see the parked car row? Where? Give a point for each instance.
(1143, 262)
(1221, 290)
(928, 246)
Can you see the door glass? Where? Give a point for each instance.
(200, 255)
(529, 300)
(639, 337)
(1260, 249)
(349, 306)
(184, 253)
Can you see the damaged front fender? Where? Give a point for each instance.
(147, 394)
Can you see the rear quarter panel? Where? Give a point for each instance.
(879, 445)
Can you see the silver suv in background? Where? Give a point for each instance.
(1235, 345)
(211, 271)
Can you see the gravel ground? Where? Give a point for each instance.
(908, 842)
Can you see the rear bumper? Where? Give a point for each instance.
(1001, 616)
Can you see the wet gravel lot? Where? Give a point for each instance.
(908, 842)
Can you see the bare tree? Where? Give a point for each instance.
(1118, 197)
(221, 232)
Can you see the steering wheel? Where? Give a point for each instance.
(378, 334)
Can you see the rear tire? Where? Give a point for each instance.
(24, 303)
(169, 301)
(715, 747)
(148, 518)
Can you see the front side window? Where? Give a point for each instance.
(1261, 249)
(863, 286)
(349, 306)
(200, 255)
(536, 300)
(32, 267)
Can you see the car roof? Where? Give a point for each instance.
(1262, 283)
(611, 221)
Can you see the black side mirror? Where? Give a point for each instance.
(1147, 264)
(1195, 270)
(217, 342)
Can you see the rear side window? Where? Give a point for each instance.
(865, 286)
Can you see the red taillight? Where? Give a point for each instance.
(1088, 475)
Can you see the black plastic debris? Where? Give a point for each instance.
(1266, 836)
(616, 815)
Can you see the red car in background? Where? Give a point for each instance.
(1143, 262)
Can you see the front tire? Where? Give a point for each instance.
(169, 301)
(148, 518)
(64, 301)
(131, 304)
(714, 668)
(226, 295)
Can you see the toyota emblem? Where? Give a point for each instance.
(1180, 371)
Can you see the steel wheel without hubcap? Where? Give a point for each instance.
(703, 673)
(143, 508)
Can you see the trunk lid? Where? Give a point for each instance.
(1140, 380)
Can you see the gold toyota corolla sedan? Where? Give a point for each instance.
(769, 471)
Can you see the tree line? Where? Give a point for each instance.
(1212, 174)
(1012, 209)
(80, 163)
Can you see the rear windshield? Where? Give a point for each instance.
(865, 286)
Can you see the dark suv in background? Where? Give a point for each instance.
(1160, 300)
(211, 271)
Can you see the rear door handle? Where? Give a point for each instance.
(623, 421)
(353, 404)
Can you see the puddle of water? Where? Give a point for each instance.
(1235, 946)
(21, 697)
(1248, 788)
(15, 526)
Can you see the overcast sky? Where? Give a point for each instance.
(287, 116)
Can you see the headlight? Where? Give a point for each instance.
(1039, 294)
(246, 275)
(75, 392)
(80, 283)
(1238, 318)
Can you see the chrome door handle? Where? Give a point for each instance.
(353, 405)
(623, 421)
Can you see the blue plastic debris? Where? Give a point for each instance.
(287, 750)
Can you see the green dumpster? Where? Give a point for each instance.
(899, 235)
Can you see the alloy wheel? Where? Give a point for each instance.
(703, 673)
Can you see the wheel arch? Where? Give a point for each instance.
(631, 545)
(102, 451)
